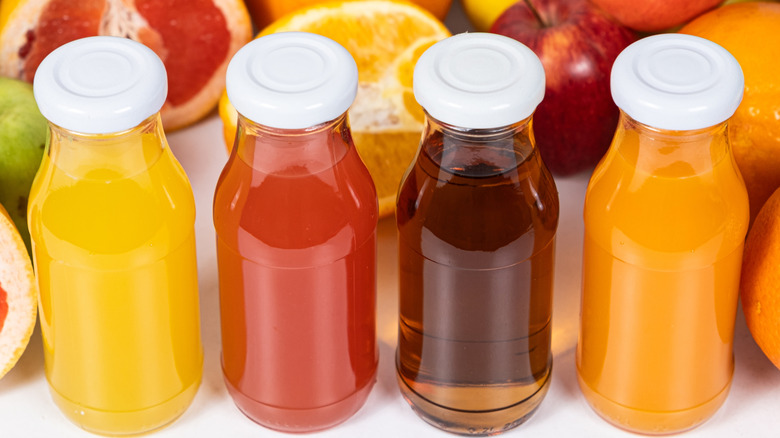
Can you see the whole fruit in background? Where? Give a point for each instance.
(483, 13)
(22, 140)
(577, 44)
(728, 2)
(386, 38)
(655, 15)
(760, 283)
(751, 32)
(194, 38)
(18, 298)
(264, 12)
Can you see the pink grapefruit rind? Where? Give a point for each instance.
(17, 280)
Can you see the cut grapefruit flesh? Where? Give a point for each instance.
(194, 38)
(18, 297)
(3, 306)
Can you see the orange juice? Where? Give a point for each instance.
(111, 216)
(666, 214)
(661, 268)
(118, 281)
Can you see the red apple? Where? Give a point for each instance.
(655, 15)
(577, 44)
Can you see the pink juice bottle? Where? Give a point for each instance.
(295, 212)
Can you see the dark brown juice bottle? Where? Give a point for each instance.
(477, 214)
(476, 220)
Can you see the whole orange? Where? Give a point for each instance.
(751, 32)
(264, 12)
(760, 284)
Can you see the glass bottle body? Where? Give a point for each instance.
(666, 214)
(296, 213)
(477, 214)
(112, 223)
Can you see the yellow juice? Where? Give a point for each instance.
(665, 221)
(112, 221)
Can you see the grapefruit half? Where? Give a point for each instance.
(194, 38)
(18, 298)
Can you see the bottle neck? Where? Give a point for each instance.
(107, 156)
(293, 152)
(477, 152)
(673, 154)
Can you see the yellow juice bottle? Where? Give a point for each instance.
(666, 213)
(112, 217)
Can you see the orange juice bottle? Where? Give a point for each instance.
(295, 212)
(477, 214)
(112, 222)
(666, 213)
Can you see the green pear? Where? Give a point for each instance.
(22, 141)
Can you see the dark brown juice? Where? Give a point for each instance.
(477, 222)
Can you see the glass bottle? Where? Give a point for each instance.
(295, 212)
(112, 220)
(666, 213)
(477, 214)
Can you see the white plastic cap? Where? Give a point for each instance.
(677, 82)
(100, 85)
(479, 80)
(292, 80)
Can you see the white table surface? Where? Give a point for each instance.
(751, 410)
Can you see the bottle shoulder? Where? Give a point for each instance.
(344, 185)
(524, 191)
(508, 217)
(630, 211)
(164, 179)
(618, 186)
(332, 210)
(151, 212)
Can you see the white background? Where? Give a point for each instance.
(751, 410)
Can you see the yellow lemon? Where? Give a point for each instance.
(483, 13)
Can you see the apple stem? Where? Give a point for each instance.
(535, 12)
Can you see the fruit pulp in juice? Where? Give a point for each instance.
(476, 249)
(296, 253)
(114, 250)
(661, 270)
